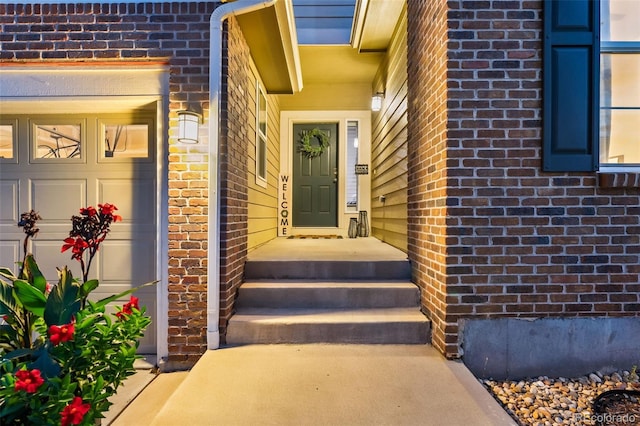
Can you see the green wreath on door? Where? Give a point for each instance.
(310, 149)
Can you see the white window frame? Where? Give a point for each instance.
(14, 137)
(46, 123)
(617, 48)
(262, 142)
(348, 208)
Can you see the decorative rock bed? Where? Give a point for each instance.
(563, 401)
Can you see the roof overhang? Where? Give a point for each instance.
(373, 24)
(271, 36)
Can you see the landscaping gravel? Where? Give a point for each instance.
(562, 401)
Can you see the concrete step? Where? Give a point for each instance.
(327, 294)
(379, 326)
(328, 270)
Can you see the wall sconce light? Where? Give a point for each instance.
(376, 101)
(188, 127)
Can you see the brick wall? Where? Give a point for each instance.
(427, 161)
(234, 145)
(520, 242)
(176, 34)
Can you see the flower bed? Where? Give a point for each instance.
(62, 355)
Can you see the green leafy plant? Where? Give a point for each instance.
(62, 355)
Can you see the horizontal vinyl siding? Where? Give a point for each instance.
(389, 146)
(262, 202)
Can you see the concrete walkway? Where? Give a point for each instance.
(317, 384)
(354, 249)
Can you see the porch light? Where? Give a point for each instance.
(376, 101)
(188, 127)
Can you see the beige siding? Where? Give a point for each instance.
(262, 202)
(389, 145)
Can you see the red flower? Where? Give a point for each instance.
(28, 381)
(61, 333)
(127, 309)
(108, 209)
(77, 246)
(88, 211)
(74, 412)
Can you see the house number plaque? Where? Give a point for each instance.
(362, 169)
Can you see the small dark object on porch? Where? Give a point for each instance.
(353, 228)
(617, 407)
(363, 224)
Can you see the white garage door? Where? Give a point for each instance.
(57, 164)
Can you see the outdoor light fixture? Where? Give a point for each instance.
(376, 101)
(188, 127)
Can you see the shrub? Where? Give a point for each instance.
(62, 355)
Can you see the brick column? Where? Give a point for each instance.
(234, 145)
(427, 158)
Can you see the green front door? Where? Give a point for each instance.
(315, 178)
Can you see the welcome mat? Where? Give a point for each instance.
(315, 237)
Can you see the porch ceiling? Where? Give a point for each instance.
(284, 65)
(337, 64)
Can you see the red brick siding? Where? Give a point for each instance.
(427, 157)
(234, 145)
(519, 242)
(178, 35)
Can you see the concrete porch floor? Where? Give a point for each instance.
(317, 384)
(351, 249)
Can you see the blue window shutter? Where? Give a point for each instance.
(570, 85)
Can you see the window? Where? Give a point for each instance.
(261, 137)
(7, 141)
(351, 181)
(619, 82)
(120, 140)
(57, 141)
(591, 91)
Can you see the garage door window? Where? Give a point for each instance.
(57, 141)
(122, 140)
(7, 141)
